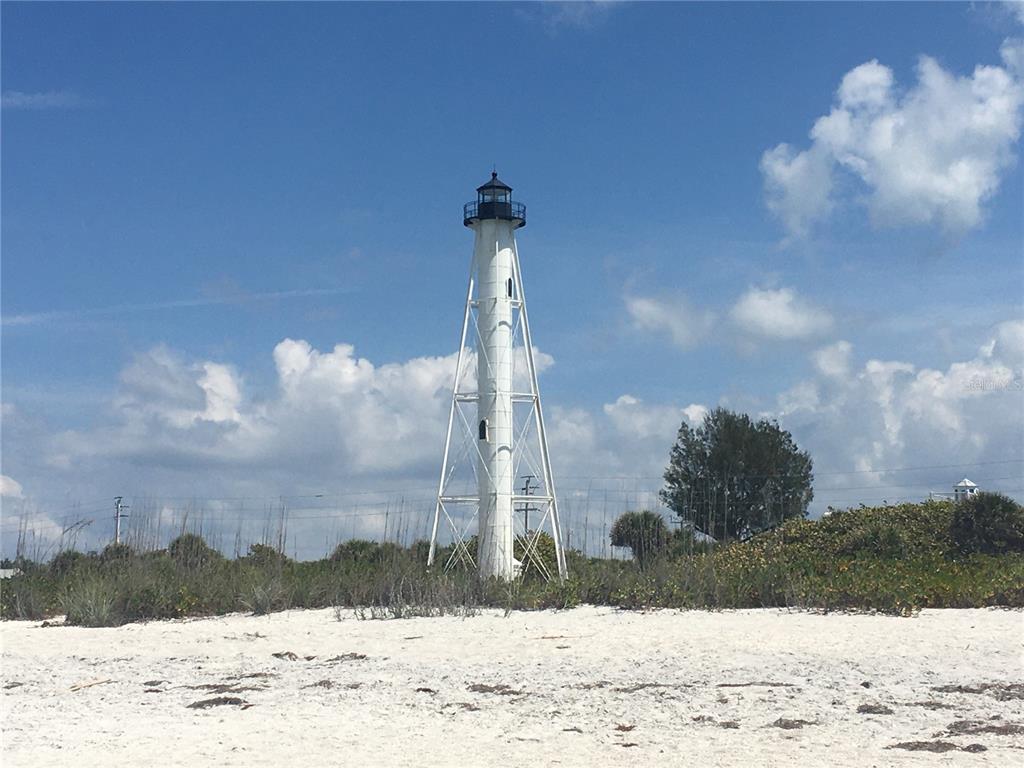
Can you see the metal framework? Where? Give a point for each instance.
(458, 497)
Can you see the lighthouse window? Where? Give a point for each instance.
(508, 287)
(483, 429)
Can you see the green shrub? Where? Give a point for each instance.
(27, 596)
(892, 559)
(90, 603)
(190, 551)
(264, 596)
(988, 523)
(357, 551)
(262, 556)
(116, 553)
(541, 560)
(65, 562)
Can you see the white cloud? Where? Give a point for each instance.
(892, 414)
(798, 186)
(833, 361)
(633, 418)
(333, 414)
(337, 422)
(10, 488)
(235, 297)
(1017, 9)
(778, 314)
(575, 14)
(1008, 343)
(44, 100)
(930, 155)
(617, 453)
(695, 414)
(686, 325)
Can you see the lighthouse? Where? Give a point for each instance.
(495, 422)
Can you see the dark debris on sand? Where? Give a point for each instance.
(225, 687)
(789, 725)
(645, 686)
(976, 727)
(756, 684)
(929, 704)
(590, 686)
(345, 657)
(1000, 691)
(936, 746)
(220, 701)
(499, 690)
(712, 721)
(253, 676)
(874, 709)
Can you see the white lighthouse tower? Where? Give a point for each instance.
(495, 424)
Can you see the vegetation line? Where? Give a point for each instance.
(894, 559)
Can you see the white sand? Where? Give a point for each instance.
(581, 675)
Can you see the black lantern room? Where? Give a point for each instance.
(494, 201)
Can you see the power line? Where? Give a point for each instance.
(881, 470)
(142, 497)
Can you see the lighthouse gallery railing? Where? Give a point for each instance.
(494, 210)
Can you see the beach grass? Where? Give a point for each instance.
(893, 559)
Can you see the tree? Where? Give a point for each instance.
(643, 532)
(733, 477)
(988, 523)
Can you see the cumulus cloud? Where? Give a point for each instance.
(333, 413)
(10, 488)
(891, 414)
(798, 186)
(932, 154)
(758, 315)
(1016, 7)
(1007, 343)
(335, 421)
(778, 314)
(686, 325)
(833, 361)
(633, 417)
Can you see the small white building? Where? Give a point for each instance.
(964, 489)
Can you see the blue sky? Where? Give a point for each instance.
(190, 184)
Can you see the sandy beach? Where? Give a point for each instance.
(589, 686)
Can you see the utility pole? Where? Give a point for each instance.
(119, 508)
(527, 490)
(726, 507)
